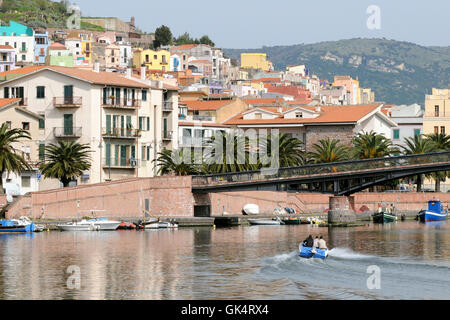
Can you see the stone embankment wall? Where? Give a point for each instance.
(165, 196)
(233, 202)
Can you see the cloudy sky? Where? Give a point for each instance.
(253, 24)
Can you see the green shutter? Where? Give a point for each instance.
(41, 124)
(143, 153)
(116, 155)
(140, 123)
(396, 134)
(108, 154)
(128, 126)
(133, 152)
(148, 123)
(68, 124)
(6, 92)
(41, 151)
(108, 123)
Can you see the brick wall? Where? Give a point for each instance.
(315, 133)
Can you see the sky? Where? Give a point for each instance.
(244, 24)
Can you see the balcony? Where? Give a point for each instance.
(120, 103)
(67, 132)
(23, 50)
(121, 163)
(202, 118)
(121, 133)
(181, 116)
(67, 102)
(167, 135)
(167, 106)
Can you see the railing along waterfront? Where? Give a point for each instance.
(356, 166)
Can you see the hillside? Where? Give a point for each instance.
(399, 72)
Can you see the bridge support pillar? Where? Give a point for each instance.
(341, 211)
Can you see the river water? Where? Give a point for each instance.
(255, 262)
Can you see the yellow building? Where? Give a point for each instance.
(256, 61)
(85, 43)
(437, 120)
(153, 60)
(351, 85)
(367, 96)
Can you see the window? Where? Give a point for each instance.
(25, 125)
(442, 130)
(396, 134)
(41, 151)
(24, 57)
(436, 129)
(258, 115)
(6, 92)
(416, 132)
(40, 92)
(8, 124)
(26, 181)
(144, 95)
(436, 111)
(42, 122)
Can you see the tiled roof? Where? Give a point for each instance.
(210, 105)
(202, 124)
(184, 47)
(58, 46)
(261, 101)
(6, 102)
(328, 114)
(5, 47)
(105, 78)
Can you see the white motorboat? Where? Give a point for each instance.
(161, 225)
(97, 224)
(265, 222)
(251, 209)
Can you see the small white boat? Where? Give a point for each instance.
(161, 225)
(265, 222)
(251, 209)
(97, 224)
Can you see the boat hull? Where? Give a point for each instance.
(18, 229)
(292, 221)
(384, 218)
(256, 222)
(426, 216)
(308, 253)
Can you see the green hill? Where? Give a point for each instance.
(399, 72)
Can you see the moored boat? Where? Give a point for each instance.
(250, 209)
(292, 221)
(17, 226)
(384, 217)
(435, 212)
(97, 224)
(310, 252)
(265, 222)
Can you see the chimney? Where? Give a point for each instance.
(143, 72)
(96, 66)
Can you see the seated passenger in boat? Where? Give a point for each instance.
(309, 242)
(322, 243)
(316, 242)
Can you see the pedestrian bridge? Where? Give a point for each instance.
(338, 178)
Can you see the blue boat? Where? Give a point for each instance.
(8, 226)
(307, 252)
(435, 212)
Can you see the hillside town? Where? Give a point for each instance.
(130, 101)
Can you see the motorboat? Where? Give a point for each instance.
(435, 212)
(251, 209)
(384, 217)
(265, 222)
(311, 252)
(22, 225)
(292, 221)
(96, 224)
(162, 225)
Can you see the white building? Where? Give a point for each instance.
(409, 120)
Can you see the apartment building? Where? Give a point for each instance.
(120, 117)
(256, 61)
(7, 58)
(351, 85)
(18, 117)
(41, 44)
(59, 55)
(152, 59)
(410, 122)
(437, 112)
(21, 38)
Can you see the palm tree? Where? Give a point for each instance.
(329, 150)
(217, 160)
(441, 142)
(10, 161)
(370, 145)
(173, 162)
(65, 161)
(290, 150)
(418, 145)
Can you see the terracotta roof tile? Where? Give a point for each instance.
(5, 102)
(203, 124)
(209, 105)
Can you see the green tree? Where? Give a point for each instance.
(418, 145)
(329, 150)
(185, 38)
(206, 40)
(65, 161)
(290, 150)
(10, 160)
(441, 142)
(173, 162)
(163, 36)
(370, 145)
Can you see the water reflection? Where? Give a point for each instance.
(202, 263)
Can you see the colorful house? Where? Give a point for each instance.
(256, 61)
(21, 38)
(7, 58)
(59, 55)
(153, 60)
(351, 85)
(41, 44)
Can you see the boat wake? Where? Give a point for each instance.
(347, 253)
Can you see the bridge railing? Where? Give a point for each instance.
(323, 169)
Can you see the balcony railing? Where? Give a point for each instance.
(203, 118)
(113, 102)
(67, 132)
(167, 135)
(121, 163)
(167, 106)
(121, 133)
(67, 102)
